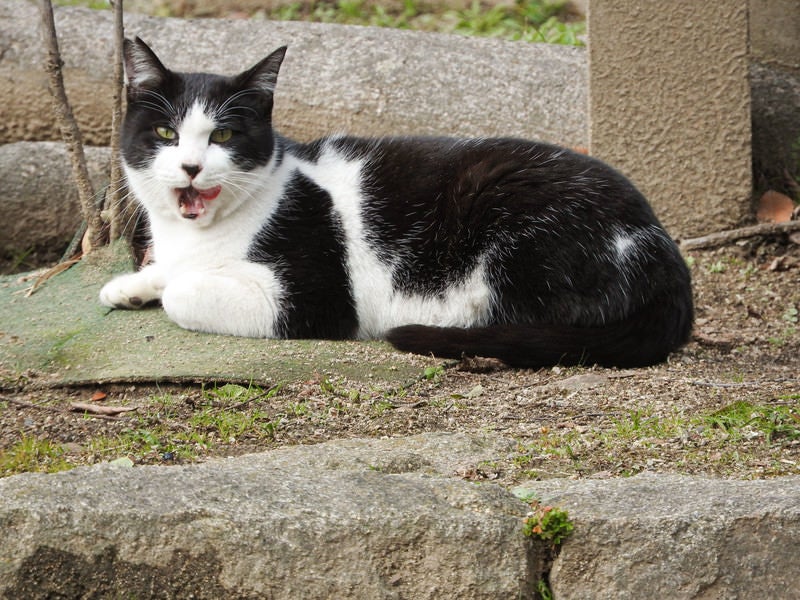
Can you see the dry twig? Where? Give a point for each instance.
(114, 197)
(70, 132)
(713, 240)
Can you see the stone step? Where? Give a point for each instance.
(387, 519)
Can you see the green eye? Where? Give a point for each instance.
(220, 136)
(166, 133)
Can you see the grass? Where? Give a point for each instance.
(739, 434)
(530, 21)
(774, 422)
(525, 20)
(32, 455)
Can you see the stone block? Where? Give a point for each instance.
(331, 524)
(39, 205)
(362, 80)
(677, 537)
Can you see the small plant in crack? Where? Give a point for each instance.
(548, 523)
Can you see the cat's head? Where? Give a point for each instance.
(194, 143)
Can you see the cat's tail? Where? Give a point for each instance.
(640, 341)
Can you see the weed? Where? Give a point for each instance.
(743, 419)
(232, 425)
(33, 455)
(381, 406)
(543, 588)
(548, 523)
(298, 409)
(433, 373)
(640, 424)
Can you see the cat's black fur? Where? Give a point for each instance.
(544, 222)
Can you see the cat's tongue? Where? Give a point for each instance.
(192, 202)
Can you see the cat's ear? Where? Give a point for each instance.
(142, 67)
(264, 74)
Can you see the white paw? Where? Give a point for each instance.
(133, 290)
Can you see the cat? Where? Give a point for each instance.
(517, 250)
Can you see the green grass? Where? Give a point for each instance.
(774, 422)
(32, 455)
(525, 20)
(736, 435)
(530, 21)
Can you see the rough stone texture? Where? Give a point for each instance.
(362, 80)
(670, 106)
(39, 205)
(387, 519)
(671, 536)
(773, 31)
(330, 525)
(64, 336)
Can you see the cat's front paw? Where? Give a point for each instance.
(131, 291)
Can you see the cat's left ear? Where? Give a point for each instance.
(264, 74)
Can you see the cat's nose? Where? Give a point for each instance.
(191, 170)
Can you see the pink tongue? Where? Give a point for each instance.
(192, 202)
(210, 193)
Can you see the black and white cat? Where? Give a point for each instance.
(504, 248)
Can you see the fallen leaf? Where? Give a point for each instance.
(98, 396)
(774, 207)
(100, 410)
(475, 392)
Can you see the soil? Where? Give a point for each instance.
(727, 404)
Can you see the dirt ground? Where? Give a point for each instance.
(728, 404)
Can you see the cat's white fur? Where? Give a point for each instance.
(201, 273)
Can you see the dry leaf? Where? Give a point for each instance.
(774, 207)
(98, 396)
(96, 409)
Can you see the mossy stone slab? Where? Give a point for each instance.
(62, 335)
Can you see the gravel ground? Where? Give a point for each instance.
(728, 404)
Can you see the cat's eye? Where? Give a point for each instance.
(220, 136)
(165, 133)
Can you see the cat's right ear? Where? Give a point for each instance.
(143, 70)
(264, 74)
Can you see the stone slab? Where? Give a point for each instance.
(362, 80)
(388, 518)
(677, 537)
(62, 335)
(266, 526)
(39, 206)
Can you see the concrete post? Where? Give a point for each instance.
(669, 106)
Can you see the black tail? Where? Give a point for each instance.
(642, 340)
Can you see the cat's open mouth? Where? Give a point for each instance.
(192, 202)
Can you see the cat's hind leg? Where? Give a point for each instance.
(243, 302)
